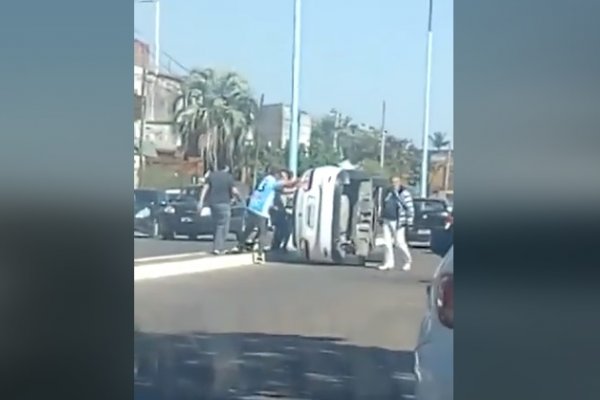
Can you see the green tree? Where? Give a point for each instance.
(321, 150)
(214, 114)
(439, 140)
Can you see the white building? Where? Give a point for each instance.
(161, 94)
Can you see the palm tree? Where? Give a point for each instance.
(214, 114)
(439, 140)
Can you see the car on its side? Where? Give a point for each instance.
(189, 218)
(434, 352)
(150, 206)
(430, 215)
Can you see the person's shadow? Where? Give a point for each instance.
(261, 366)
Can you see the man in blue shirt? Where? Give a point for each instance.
(259, 207)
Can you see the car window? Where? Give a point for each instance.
(144, 196)
(191, 194)
(426, 206)
(161, 197)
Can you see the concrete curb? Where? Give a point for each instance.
(198, 265)
(169, 257)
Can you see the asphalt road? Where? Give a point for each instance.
(144, 247)
(280, 331)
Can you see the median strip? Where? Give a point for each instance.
(156, 270)
(148, 260)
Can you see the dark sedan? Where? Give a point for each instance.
(185, 218)
(430, 215)
(149, 206)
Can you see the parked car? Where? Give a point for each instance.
(430, 215)
(189, 219)
(434, 353)
(149, 208)
(442, 238)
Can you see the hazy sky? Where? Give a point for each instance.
(355, 53)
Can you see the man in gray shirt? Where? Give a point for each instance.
(219, 193)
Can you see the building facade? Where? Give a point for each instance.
(161, 92)
(274, 123)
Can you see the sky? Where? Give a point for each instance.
(354, 53)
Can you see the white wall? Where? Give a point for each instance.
(304, 129)
(162, 136)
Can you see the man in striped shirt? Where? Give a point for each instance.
(397, 213)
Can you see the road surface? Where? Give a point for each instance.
(280, 331)
(144, 247)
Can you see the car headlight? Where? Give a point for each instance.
(143, 213)
(170, 210)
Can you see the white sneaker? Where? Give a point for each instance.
(406, 267)
(385, 267)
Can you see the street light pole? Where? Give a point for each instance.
(156, 36)
(156, 58)
(295, 115)
(382, 153)
(141, 156)
(425, 160)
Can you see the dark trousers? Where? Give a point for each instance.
(258, 223)
(221, 215)
(283, 229)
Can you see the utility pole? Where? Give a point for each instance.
(156, 57)
(383, 134)
(425, 160)
(449, 153)
(256, 141)
(142, 127)
(294, 126)
(337, 118)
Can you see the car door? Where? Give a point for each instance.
(299, 208)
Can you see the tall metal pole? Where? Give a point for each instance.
(337, 122)
(156, 60)
(447, 168)
(142, 128)
(156, 36)
(382, 153)
(425, 160)
(295, 115)
(256, 140)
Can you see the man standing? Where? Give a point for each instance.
(220, 191)
(283, 214)
(259, 207)
(397, 213)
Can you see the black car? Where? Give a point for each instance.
(442, 239)
(183, 216)
(430, 215)
(149, 206)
